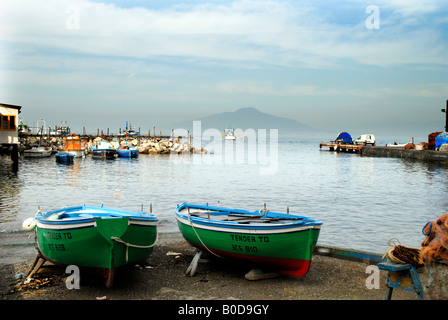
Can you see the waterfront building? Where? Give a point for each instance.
(9, 117)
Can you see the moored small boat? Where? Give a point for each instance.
(64, 157)
(126, 151)
(74, 146)
(102, 149)
(283, 242)
(96, 238)
(38, 152)
(229, 134)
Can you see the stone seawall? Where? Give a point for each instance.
(395, 152)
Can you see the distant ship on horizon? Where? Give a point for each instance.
(229, 134)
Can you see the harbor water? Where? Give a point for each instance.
(362, 201)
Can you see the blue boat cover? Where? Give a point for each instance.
(441, 139)
(345, 137)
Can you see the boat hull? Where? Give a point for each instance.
(64, 157)
(285, 250)
(38, 152)
(133, 153)
(103, 153)
(77, 153)
(101, 244)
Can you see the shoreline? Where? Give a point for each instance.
(162, 277)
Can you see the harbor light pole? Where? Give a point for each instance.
(446, 116)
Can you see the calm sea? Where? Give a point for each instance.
(362, 201)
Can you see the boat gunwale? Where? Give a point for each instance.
(300, 222)
(72, 215)
(248, 229)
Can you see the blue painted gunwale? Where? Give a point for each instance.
(86, 214)
(294, 221)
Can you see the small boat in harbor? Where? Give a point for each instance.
(102, 149)
(126, 151)
(74, 146)
(38, 152)
(396, 145)
(128, 132)
(229, 134)
(98, 239)
(282, 242)
(64, 157)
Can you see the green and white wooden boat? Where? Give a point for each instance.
(282, 242)
(96, 238)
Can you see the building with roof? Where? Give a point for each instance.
(9, 123)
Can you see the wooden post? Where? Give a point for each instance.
(15, 154)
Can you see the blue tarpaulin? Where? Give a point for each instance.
(344, 137)
(441, 139)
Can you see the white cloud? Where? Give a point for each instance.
(265, 32)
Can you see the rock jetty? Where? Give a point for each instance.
(144, 145)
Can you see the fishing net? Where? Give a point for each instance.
(435, 245)
(401, 254)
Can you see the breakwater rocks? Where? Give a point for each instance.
(168, 146)
(144, 145)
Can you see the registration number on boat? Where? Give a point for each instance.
(56, 247)
(240, 248)
(247, 239)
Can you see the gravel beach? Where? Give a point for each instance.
(162, 277)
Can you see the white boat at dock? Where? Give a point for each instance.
(38, 152)
(396, 145)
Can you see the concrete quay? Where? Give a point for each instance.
(440, 157)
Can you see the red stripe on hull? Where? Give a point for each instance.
(290, 267)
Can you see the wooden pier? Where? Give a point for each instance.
(339, 147)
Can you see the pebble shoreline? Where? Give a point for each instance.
(162, 277)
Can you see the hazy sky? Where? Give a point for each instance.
(340, 65)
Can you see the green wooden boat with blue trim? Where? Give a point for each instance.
(283, 242)
(96, 238)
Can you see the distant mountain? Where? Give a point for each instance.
(245, 118)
